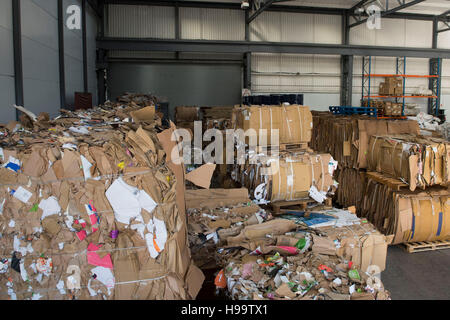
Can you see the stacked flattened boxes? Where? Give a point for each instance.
(292, 174)
(380, 172)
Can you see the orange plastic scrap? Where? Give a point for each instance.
(270, 264)
(221, 280)
(323, 267)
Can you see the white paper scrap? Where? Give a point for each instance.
(128, 201)
(105, 276)
(86, 168)
(22, 194)
(50, 207)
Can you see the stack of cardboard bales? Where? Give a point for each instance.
(347, 138)
(292, 174)
(92, 208)
(386, 160)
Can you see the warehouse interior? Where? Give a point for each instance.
(91, 92)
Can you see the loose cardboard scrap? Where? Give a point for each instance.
(93, 213)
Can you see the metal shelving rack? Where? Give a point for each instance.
(434, 83)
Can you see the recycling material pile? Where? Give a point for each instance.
(418, 161)
(431, 125)
(294, 175)
(89, 208)
(347, 138)
(330, 255)
(214, 216)
(384, 165)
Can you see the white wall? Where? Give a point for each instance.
(40, 56)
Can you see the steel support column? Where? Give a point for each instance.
(346, 64)
(62, 73)
(247, 56)
(17, 43)
(84, 39)
(346, 80)
(102, 67)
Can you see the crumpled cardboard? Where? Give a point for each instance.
(56, 208)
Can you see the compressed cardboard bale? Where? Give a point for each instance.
(186, 114)
(351, 183)
(418, 161)
(347, 138)
(289, 177)
(408, 216)
(294, 123)
(93, 210)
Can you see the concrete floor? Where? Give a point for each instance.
(417, 276)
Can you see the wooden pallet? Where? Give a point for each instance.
(426, 246)
(392, 183)
(279, 206)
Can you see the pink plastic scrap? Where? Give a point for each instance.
(94, 258)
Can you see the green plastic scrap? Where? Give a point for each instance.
(354, 274)
(34, 208)
(301, 243)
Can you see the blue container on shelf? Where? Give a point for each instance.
(300, 99)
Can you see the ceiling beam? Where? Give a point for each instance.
(273, 8)
(222, 46)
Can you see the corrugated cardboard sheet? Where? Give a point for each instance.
(293, 122)
(409, 216)
(418, 161)
(347, 138)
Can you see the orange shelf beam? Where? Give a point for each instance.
(428, 97)
(401, 75)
